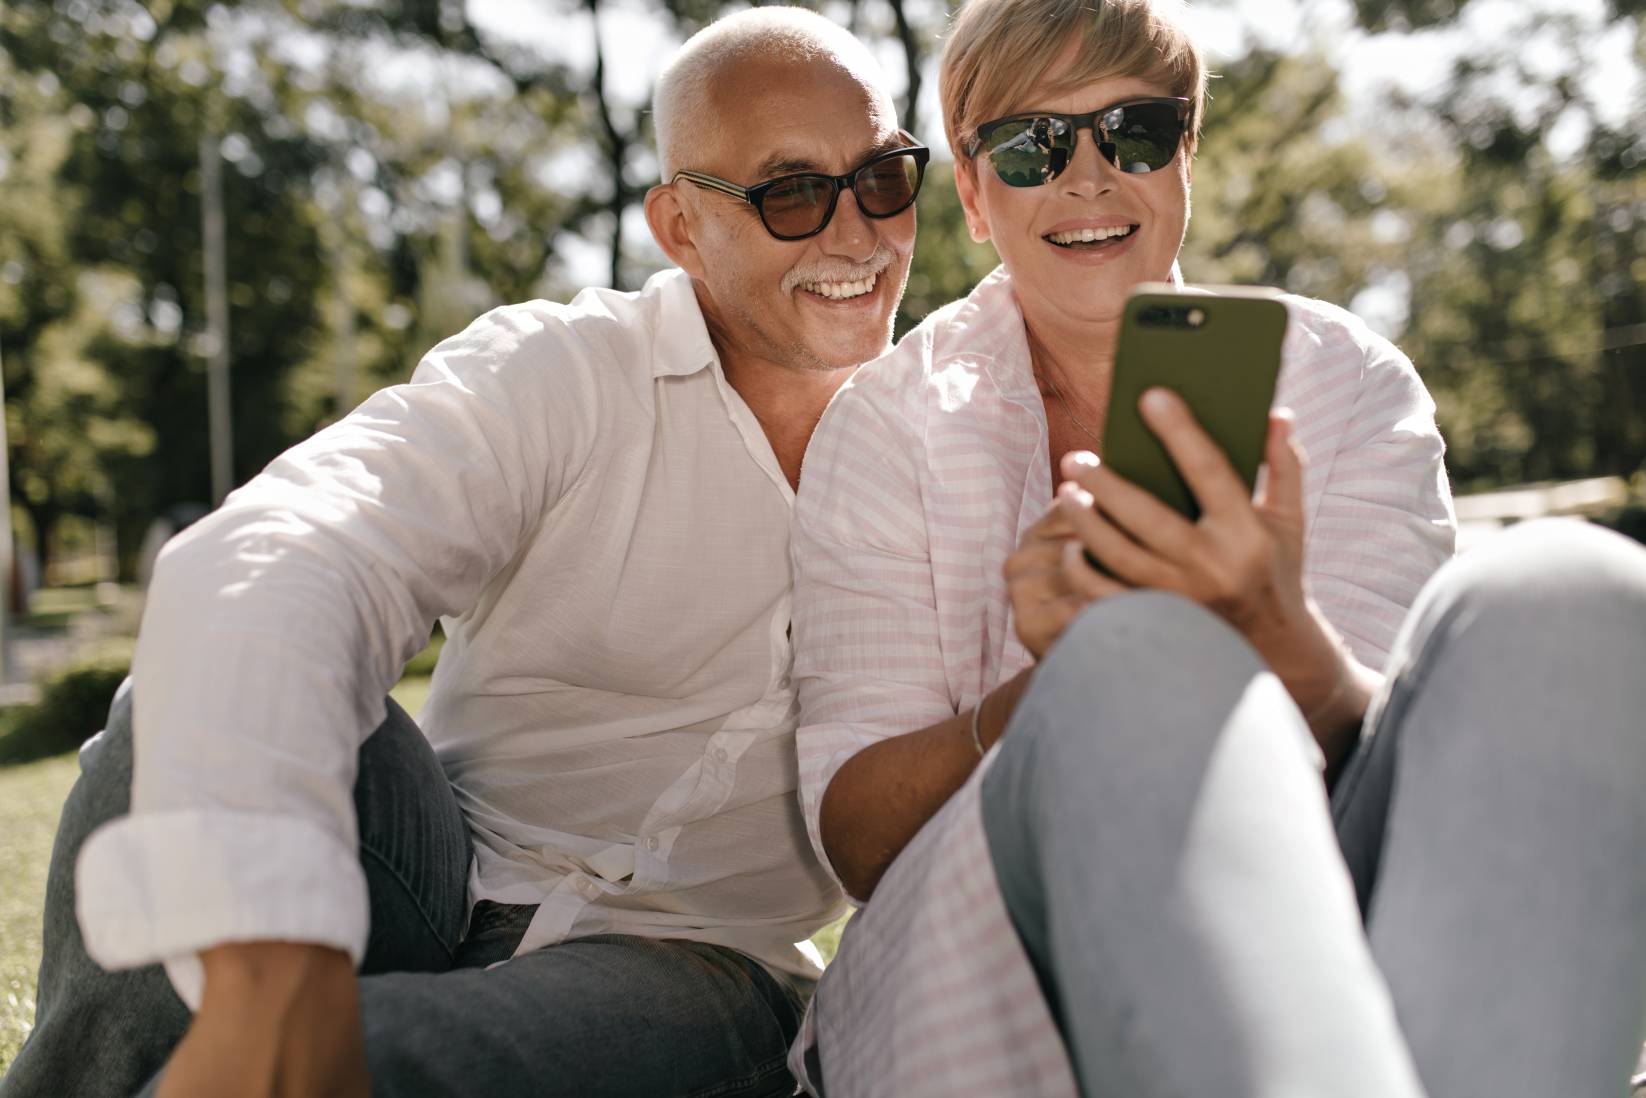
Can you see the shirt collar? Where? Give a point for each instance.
(993, 334)
(681, 343)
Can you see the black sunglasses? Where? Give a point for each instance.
(1139, 135)
(793, 207)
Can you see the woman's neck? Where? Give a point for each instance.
(1077, 360)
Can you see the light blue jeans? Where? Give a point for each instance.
(1188, 895)
(610, 1016)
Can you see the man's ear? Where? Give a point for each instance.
(671, 225)
(965, 185)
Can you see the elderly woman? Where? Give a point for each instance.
(1089, 804)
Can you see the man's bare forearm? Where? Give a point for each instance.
(276, 1020)
(884, 794)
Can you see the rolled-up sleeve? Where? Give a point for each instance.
(275, 627)
(868, 662)
(1384, 521)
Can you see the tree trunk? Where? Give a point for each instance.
(617, 148)
(914, 56)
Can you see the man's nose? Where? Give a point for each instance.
(850, 233)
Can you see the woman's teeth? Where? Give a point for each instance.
(1087, 236)
(840, 291)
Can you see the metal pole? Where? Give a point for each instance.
(343, 309)
(217, 319)
(7, 561)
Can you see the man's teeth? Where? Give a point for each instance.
(1086, 236)
(840, 291)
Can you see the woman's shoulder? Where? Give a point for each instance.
(903, 379)
(963, 335)
(1323, 337)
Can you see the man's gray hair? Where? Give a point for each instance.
(682, 103)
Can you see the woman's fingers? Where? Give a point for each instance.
(1127, 559)
(1084, 581)
(1202, 462)
(1282, 494)
(1134, 510)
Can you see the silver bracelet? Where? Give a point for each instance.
(977, 736)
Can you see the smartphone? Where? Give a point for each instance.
(1217, 347)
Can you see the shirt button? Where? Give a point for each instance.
(651, 843)
(585, 886)
(720, 754)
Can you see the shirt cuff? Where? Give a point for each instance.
(162, 887)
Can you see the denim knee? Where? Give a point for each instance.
(1141, 642)
(103, 791)
(1125, 672)
(1567, 568)
(1542, 630)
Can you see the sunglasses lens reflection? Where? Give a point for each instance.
(1146, 138)
(1026, 152)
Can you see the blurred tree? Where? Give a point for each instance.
(392, 169)
(66, 426)
(143, 84)
(1526, 274)
(947, 264)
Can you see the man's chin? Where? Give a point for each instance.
(850, 343)
(841, 353)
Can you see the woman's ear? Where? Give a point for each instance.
(965, 185)
(672, 227)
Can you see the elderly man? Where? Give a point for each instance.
(586, 873)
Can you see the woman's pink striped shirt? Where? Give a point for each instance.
(920, 479)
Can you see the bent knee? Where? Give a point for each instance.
(1141, 681)
(103, 790)
(1143, 643)
(1575, 586)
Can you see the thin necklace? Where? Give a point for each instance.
(1097, 439)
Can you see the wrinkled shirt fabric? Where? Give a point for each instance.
(600, 524)
(920, 480)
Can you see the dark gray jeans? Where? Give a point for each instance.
(602, 1016)
(1167, 853)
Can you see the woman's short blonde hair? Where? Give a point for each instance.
(1000, 50)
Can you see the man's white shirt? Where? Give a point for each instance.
(601, 525)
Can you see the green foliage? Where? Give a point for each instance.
(73, 705)
(947, 263)
(1629, 521)
(370, 214)
(1406, 15)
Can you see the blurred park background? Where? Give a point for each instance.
(224, 222)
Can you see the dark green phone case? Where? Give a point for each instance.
(1225, 367)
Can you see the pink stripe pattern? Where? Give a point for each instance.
(920, 479)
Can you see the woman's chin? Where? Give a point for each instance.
(1071, 288)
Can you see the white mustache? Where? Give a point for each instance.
(875, 265)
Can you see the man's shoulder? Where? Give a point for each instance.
(601, 341)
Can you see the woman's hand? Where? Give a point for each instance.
(1243, 558)
(1049, 582)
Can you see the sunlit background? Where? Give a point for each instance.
(1466, 175)
(223, 223)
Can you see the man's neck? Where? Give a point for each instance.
(788, 402)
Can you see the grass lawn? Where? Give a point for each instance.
(31, 797)
(56, 607)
